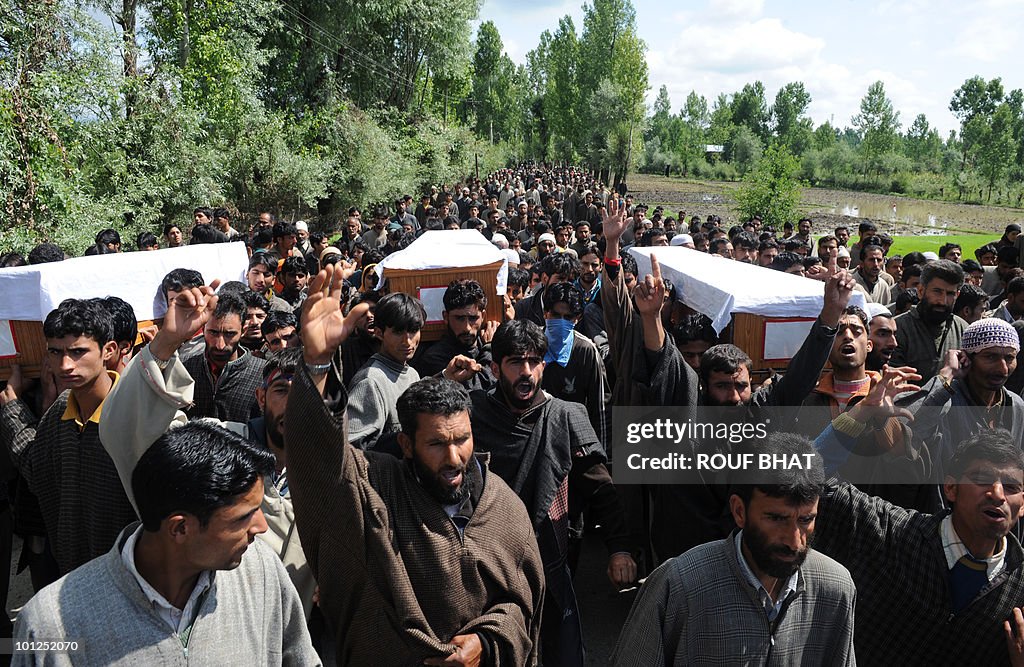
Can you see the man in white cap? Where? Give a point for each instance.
(843, 258)
(684, 240)
(302, 234)
(545, 246)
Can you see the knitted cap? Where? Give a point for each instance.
(681, 239)
(546, 237)
(989, 332)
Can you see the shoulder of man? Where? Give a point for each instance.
(824, 575)
(69, 601)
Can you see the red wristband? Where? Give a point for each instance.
(608, 261)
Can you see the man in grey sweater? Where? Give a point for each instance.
(760, 596)
(179, 588)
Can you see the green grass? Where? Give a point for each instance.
(969, 242)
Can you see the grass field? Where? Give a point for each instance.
(969, 242)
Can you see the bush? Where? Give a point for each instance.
(771, 190)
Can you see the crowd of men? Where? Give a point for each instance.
(283, 472)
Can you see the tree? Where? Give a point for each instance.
(792, 127)
(610, 49)
(722, 125)
(750, 108)
(563, 101)
(923, 144)
(877, 124)
(825, 136)
(661, 116)
(771, 190)
(744, 150)
(973, 103)
(996, 150)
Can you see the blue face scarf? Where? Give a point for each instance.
(560, 338)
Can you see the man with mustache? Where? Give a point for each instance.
(760, 596)
(929, 330)
(428, 559)
(226, 374)
(467, 333)
(548, 452)
(942, 588)
(156, 388)
(969, 393)
(882, 334)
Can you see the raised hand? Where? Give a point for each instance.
(614, 221)
(838, 289)
(188, 312)
(324, 326)
(649, 293)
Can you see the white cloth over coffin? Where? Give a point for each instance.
(719, 287)
(31, 292)
(447, 249)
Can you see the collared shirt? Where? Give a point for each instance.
(955, 550)
(591, 294)
(73, 411)
(771, 607)
(179, 620)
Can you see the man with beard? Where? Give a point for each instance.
(467, 334)
(969, 392)
(589, 282)
(157, 389)
(447, 571)
(548, 452)
(942, 588)
(868, 274)
(882, 334)
(929, 330)
(745, 247)
(663, 378)
(358, 348)
(760, 596)
(226, 375)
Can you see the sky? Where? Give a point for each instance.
(923, 50)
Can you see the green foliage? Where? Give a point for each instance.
(771, 190)
(252, 104)
(878, 125)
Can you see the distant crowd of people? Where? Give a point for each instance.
(282, 471)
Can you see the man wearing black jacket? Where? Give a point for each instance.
(547, 451)
(467, 333)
